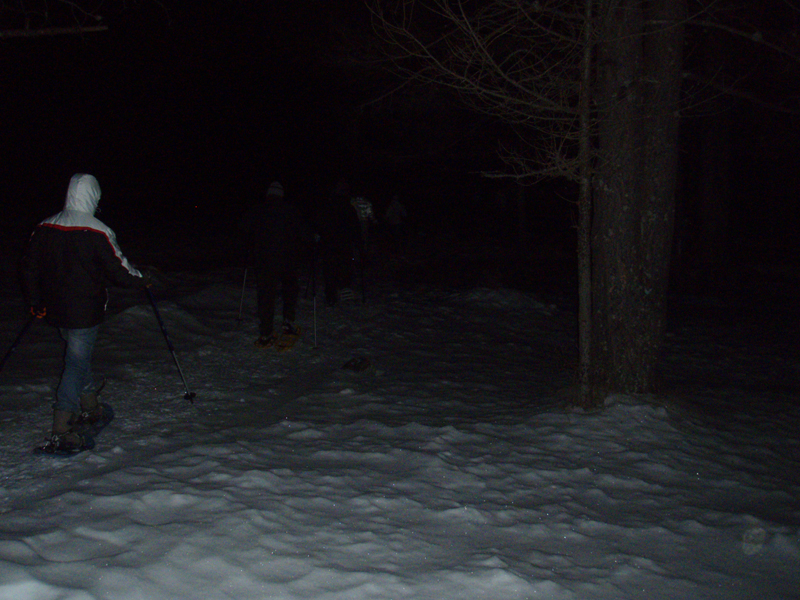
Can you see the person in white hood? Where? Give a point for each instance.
(71, 259)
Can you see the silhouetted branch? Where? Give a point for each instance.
(39, 18)
(46, 31)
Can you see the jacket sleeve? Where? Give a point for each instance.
(115, 266)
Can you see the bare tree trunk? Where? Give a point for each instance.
(662, 93)
(711, 243)
(522, 235)
(586, 398)
(639, 68)
(614, 131)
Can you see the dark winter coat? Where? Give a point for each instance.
(72, 258)
(338, 226)
(277, 235)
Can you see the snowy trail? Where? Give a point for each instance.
(434, 475)
(369, 511)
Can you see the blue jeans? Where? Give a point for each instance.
(76, 378)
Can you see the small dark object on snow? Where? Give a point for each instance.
(357, 364)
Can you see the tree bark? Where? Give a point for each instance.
(712, 217)
(586, 396)
(639, 76)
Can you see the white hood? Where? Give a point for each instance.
(83, 194)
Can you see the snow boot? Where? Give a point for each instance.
(91, 410)
(62, 421)
(63, 438)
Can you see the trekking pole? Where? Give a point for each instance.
(314, 287)
(188, 395)
(241, 301)
(363, 269)
(21, 334)
(310, 283)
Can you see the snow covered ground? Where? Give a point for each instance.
(448, 470)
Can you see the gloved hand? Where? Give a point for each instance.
(38, 311)
(147, 279)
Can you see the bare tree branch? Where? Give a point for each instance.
(47, 31)
(36, 18)
(515, 61)
(755, 36)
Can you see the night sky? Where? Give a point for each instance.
(201, 106)
(189, 114)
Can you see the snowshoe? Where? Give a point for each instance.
(65, 444)
(91, 424)
(288, 338)
(266, 341)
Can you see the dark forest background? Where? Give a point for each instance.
(186, 112)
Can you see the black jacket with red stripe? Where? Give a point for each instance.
(72, 258)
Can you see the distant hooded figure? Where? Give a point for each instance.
(395, 218)
(340, 234)
(71, 259)
(277, 237)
